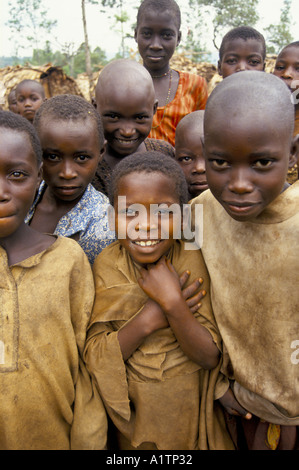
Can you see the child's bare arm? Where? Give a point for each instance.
(161, 283)
(152, 318)
(232, 406)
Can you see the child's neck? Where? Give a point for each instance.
(113, 158)
(24, 243)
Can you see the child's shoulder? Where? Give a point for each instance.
(66, 249)
(108, 256)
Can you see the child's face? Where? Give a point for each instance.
(127, 116)
(157, 37)
(29, 100)
(19, 178)
(189, 155)
(240, 55)
(247, 158)
(287, 67)
(71, 154)
(147, 239)
(12, 102)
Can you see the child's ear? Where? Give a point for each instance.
(294, 154)
(103, 150)
(155, 106)
(179, 38)
(135, 34)
(219, 68)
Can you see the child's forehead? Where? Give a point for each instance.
(29, 88)
(16, 144)
(291, 52)
(145, 183)
(158, 18)
(233, 44)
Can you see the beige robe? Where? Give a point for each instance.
(48, 401)
(254, 272)
(153, 397)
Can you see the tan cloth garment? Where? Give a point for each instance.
(154, 396)
(47, 398)
(254, 271)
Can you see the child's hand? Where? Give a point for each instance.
(192, 294)
(161, 283)
(232, 406)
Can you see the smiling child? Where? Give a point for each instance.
(144, 327)
(125, 98)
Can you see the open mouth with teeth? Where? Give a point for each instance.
(146, 242)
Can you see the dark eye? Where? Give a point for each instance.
(51, 157)
(18, 174)
(219, 163)
(82, 158)
(185, 159)
(263, 163)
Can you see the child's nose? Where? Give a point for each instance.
(288, 72)
(127, 129)
(156, 43)
(240, 182)
(242, 66)
(67, 171)
(199, 167)
(4, 194)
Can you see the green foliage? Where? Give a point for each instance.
(229, 14)
(278, 35)
(73, 64)
(27, 21)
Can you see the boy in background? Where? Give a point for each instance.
(189, 152)
(242, 48)
(30, 95)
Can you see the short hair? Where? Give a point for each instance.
(292, 44)
(28, 81)
(252, 91)
(66, 108)
(15, 122)
(242, 32)
(150, 162)
(160, 6)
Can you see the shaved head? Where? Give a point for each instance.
(252, 96)
(122, 75)
(192, 121)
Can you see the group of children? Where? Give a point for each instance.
(114, 333)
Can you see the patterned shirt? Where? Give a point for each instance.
(191, 95)
(88, 218)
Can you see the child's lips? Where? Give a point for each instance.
(68, 189)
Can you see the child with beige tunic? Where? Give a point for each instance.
(46, 294)
(250, 240)
(148, 342)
